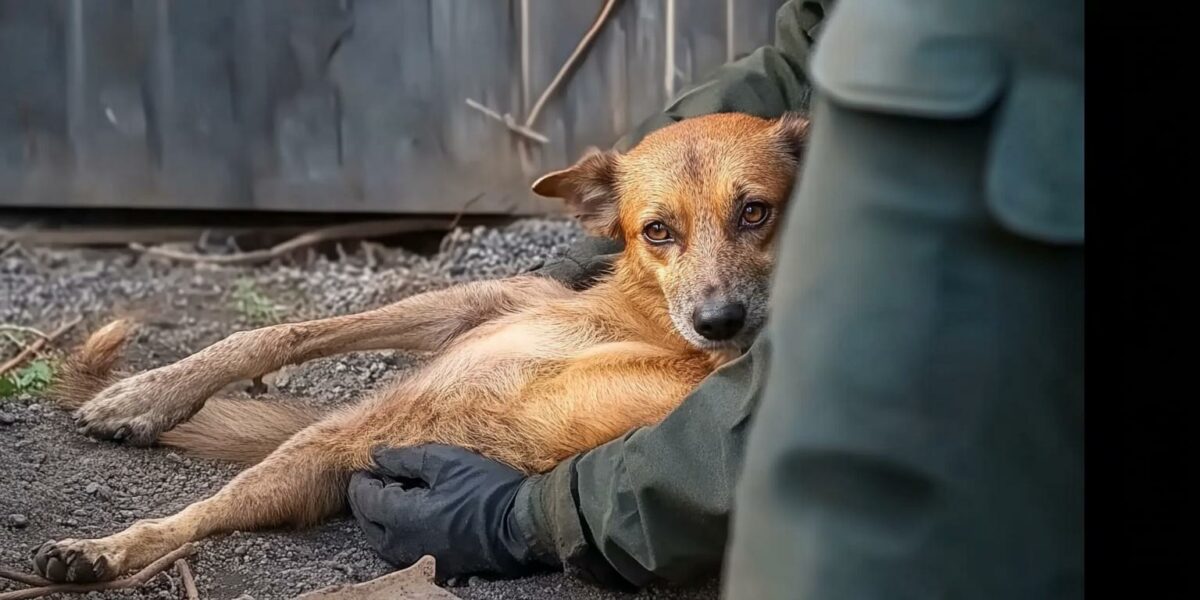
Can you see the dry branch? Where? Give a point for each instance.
(139, 578)
(525, 130)
(510, 122)
(335, 232)
(22, 329)
(25, 578)
(37, 346)
(189, 582)
(572, 61)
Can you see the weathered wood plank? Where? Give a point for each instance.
(321, 105)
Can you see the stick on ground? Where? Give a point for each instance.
(24, 578)
(139, 578)
(336, 232)
(22, 329)
(37, 346)
(189, 582)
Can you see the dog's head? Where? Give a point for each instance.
(697, 204)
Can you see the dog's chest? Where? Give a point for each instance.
(525, 340)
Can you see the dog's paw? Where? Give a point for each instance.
(138, 409)
(74, 561)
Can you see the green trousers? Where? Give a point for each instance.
(921, 433)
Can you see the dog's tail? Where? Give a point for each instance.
(91, 368)
(243, 431)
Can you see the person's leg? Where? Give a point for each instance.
(921, 432)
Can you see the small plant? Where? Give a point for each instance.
(33, 377)
(253, 305)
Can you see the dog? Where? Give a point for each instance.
(523, 370)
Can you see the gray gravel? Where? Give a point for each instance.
(55, 483)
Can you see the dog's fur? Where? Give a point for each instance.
(525, 370)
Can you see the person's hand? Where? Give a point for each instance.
(448, 502)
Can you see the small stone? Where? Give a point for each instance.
(7, 418)
(18, 521)
(91, 488)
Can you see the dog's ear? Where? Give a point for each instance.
(589, 189)
(792, 130)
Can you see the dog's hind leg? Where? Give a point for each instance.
(139, 408)
(301, 483)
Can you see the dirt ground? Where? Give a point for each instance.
(55, 483)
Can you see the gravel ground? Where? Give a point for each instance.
(55, 483)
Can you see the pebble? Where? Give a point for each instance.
(18, 521)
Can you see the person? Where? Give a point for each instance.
(914, 409)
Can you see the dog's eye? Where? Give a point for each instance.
(754, 213)
(657, 233)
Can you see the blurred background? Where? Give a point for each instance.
(412, 107)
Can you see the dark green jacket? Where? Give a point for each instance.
(654, 504)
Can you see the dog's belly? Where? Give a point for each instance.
(488, 393)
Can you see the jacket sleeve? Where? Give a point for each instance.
(654, 504)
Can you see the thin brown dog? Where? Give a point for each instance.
(524, 370)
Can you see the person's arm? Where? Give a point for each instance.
(654, 504)
(651, 505)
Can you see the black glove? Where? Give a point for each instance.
(586, 260)
(448, 502)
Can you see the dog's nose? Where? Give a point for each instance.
(719, 321)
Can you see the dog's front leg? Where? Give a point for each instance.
(139, 408)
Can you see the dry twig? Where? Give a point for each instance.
(25, 578)
(35, 347)
(525, 130)
(510, 122)
(572, 61)
(462, 211)
(22, 329)
(189, 582)
(139, 578)
(335, 232)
